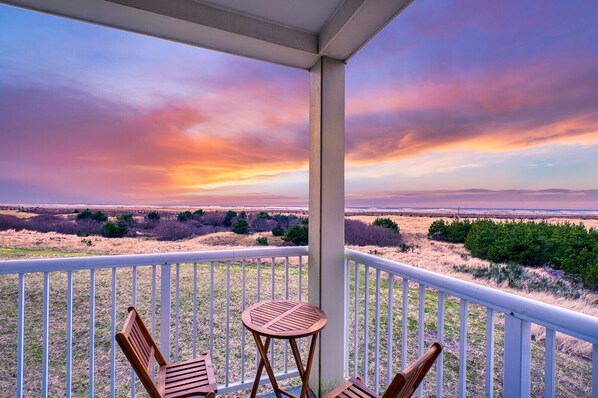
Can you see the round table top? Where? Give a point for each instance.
(284, 319)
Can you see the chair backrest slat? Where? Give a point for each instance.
(406, 382)
(140, 349)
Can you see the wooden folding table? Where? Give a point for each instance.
(288, 320)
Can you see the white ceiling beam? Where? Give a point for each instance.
(193, 22)
(356, 23)
(184, 21)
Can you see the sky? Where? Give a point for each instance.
(459, 103)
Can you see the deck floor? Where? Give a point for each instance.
(295, 390)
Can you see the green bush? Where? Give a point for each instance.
(262, 215)
(455, 232)
(153, 216)
(198, 213)
(184, 216)
(127, 217)
(85, 214)
(567, 247)
(88, 215)
(262, 241)
(114, 230)
(277, 231)
(240, 227)
(228, 218)
(297, 234)
(386, 223)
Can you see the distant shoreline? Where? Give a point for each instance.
(405, 212)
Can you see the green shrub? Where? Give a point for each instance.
(297, 234)
(437, 230)
(262, 241)
(455, 232)
(127, 217)
(114, 230)
(84, 215)
(184, 216)
(153, 216)
(262, 215)
(240, 227)
(277, 231)
(386, 223)
(198, 213)
(229, 217)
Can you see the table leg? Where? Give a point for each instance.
(260, 367)
(264, 354)
(297, 355)
(310, 360)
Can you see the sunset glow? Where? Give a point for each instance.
(455, 103)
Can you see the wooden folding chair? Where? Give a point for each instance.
(191, 378)
(403, 385)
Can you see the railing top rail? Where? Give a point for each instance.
(129, 260)
(560, 319)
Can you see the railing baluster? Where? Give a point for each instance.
(420, 328)
(356, 323)
(165, 299)
(177, 315)
(194, 309)
(112, 341)
(594, 370)
(154, 301)
(377, 336)
(243, 287)
(92, 330)
(516, 380)
(549, 364)
(463, 349)
(272, 296)
(259, 284)
(227, 345)
(21, 336)
(286, 297)
(440, 337)
(46, 335)
(300, 277)
(366, 323)
(346, 319)
(489, 352)
(389, 326)
(404, 323)
(134, 303)
(211, 308)
(69, 333)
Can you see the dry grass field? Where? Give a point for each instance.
(573, 367)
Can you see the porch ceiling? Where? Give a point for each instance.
(288, 32)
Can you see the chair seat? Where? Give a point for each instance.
(188, 378)
(352, 388)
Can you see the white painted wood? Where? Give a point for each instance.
(243, 330)
(572, 323)
(227, 336)
(295, 34)
(366, 324)
(347, 330)
(165, 298)
(112, 333)
(69, 334)
(389, 329)
(404, 323)
(462, 389)
(177, 312)
(549, 363)
(326, 215)
(440, 337)
(517, 355)
(92, 331)
(421, 328)
(489, 385)
(154, 277)
(21, 337)
(377, 337)
(595, 371)
(212, 308)
(46, 334)
(356, 324)
(195, 309)
(130, 260)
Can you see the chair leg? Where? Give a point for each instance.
(211, 394)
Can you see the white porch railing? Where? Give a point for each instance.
(85, 300)
(67, 311)
(421, 322)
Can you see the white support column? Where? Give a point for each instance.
(517, 357)
(326, 216)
